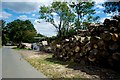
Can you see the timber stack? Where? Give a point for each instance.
(99, 47)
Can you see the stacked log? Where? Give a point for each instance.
(101, 46)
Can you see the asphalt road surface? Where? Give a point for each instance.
(14, 66)
(0, 63)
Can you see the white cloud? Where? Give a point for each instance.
(109, 15)
(37, 21)
(24, 17)
(97, 12)
(22, 7)
(45, 2)
(45, 28)
(25, 6)
(102, 19)
(33, 14)
(112, 14)
(4, 15)
(99, 1)
(102, 1)
(55, 14)
(99, 6)
(100, 12)
(26, 0)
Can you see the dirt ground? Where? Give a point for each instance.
(58, 69)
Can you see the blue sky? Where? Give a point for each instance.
(24, 10)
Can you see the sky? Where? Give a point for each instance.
(23, 10)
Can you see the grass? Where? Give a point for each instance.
(54, 68)
(20, 49)
(58, 69)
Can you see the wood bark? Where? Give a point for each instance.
(100, 47)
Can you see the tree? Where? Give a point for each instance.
(21, 31)
(29, 26)
(29, 36)
(1, 21)
(117, 17)
(64, 14)
(4, 32)
(40, 35)
(112, 7)
(84, 13)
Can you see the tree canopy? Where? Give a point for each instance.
(63, 13)
(69, 16)
(112, 7)
(19, 31)
(85, 12)
(5, 38)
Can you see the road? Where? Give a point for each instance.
(0, 63)
(14, 66)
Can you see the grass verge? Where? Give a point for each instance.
(53, 68)
(57, 69)
(20, 48)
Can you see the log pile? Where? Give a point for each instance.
(100, 48)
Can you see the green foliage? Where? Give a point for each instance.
(19, 31)
(0, 33)
(71, 32)
(29, 36)
(29, 26)
(50, 39)
(5, 38)
(79, 15)
(40, 35)
(85, 12)
(63, 13)
(2, 23)
(4, 32)
(112, 7)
